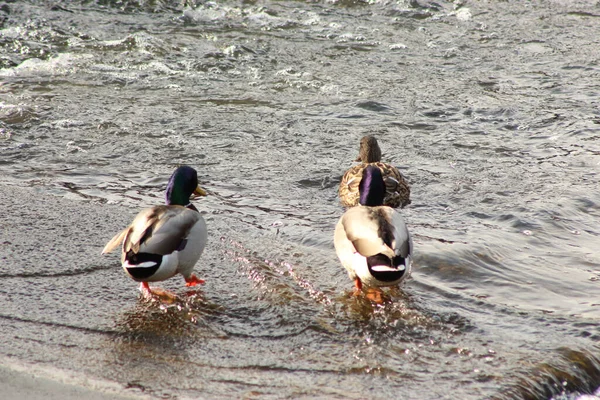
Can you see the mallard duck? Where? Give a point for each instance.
(371, 240)
(397, 189)
(165, 240)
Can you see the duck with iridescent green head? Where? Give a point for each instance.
(165, 240)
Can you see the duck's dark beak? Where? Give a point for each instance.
(198, 192)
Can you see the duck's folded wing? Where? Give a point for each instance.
(390, 172)
(366, 229)
(348, 190)
(397, 188)
(167, 232)
(402, 243)
(131, 236)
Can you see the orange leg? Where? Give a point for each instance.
(358, 283)
(357, 286)
(193, 280)
(146, 291)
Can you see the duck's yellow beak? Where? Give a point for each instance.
(198, 192)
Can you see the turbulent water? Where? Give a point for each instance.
(489, 108)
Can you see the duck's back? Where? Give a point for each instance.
(397, 188)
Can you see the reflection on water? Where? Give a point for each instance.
(156, 322)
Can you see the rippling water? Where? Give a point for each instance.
(490, 109)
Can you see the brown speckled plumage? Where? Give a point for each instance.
(397, 188)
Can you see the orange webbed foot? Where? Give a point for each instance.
(193, 280)
(164, 295)
(375, 295)
(157, 293)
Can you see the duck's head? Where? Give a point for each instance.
(371, 187)
(183, 186)
(369, 150)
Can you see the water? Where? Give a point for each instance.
(489, 109)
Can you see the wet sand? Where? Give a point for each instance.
(21, 381)
(32, 221)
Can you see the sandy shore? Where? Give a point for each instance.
(29, 382)
(24, 246)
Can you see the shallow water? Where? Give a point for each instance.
(489, 109)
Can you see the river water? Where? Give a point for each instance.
(489, 108)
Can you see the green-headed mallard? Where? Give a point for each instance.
(397, 189)
(371, 240)
(165, 240)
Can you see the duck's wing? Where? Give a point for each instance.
(131, 237)
(368, 230)
(348, 191)
(158, 230)
(397, 188)
(402, 242)
(162, 230)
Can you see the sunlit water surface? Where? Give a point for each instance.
(490, 109)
